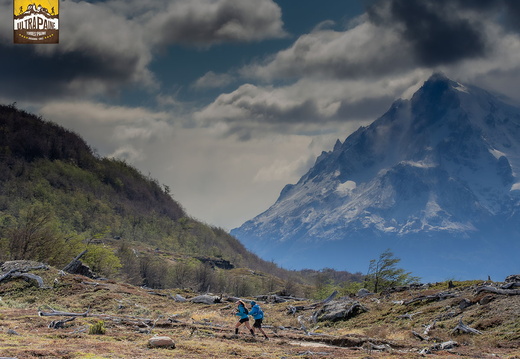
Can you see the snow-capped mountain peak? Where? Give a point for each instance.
(445, 163)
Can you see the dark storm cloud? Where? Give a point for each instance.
(434, 29)
(442, 32)
(35, 76)
(513, 14)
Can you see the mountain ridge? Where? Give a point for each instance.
(443, 163)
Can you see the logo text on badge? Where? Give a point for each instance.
(36, 24)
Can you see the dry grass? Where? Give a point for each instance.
(206, 330)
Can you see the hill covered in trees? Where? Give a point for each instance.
(58, 198)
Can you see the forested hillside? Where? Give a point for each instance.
(58, 198)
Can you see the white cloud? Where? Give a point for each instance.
(213, 80)
(208, 22)
(127, 153)
(111, 130)
(308, 106)
(364, 50)
(282, 169)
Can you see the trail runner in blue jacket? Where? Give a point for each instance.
(243, 314)
(258, 315)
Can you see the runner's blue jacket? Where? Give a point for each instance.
(242, 312)
(256, 312)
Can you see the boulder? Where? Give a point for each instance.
(179, 298)
(339, 310)
(486, 299)
(161, 342)
(363, 292)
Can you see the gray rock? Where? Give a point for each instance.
(161, 342)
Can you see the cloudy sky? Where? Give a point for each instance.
(226, 101)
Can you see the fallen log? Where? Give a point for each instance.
(419, 336)
(510, 285)
(438, 297)
(57, 313)
(498, 290)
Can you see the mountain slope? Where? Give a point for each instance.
(435, 179)
(57, 198)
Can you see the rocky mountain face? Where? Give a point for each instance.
(435, 179)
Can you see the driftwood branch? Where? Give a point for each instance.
(31, 276)
(429, 327)
(148, 329)
(461, 327)
(15, 273)
(7, 276)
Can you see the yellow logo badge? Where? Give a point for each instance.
(36, 22)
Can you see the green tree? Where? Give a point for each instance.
(102, 260)
(383, 273)
(35, 235)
